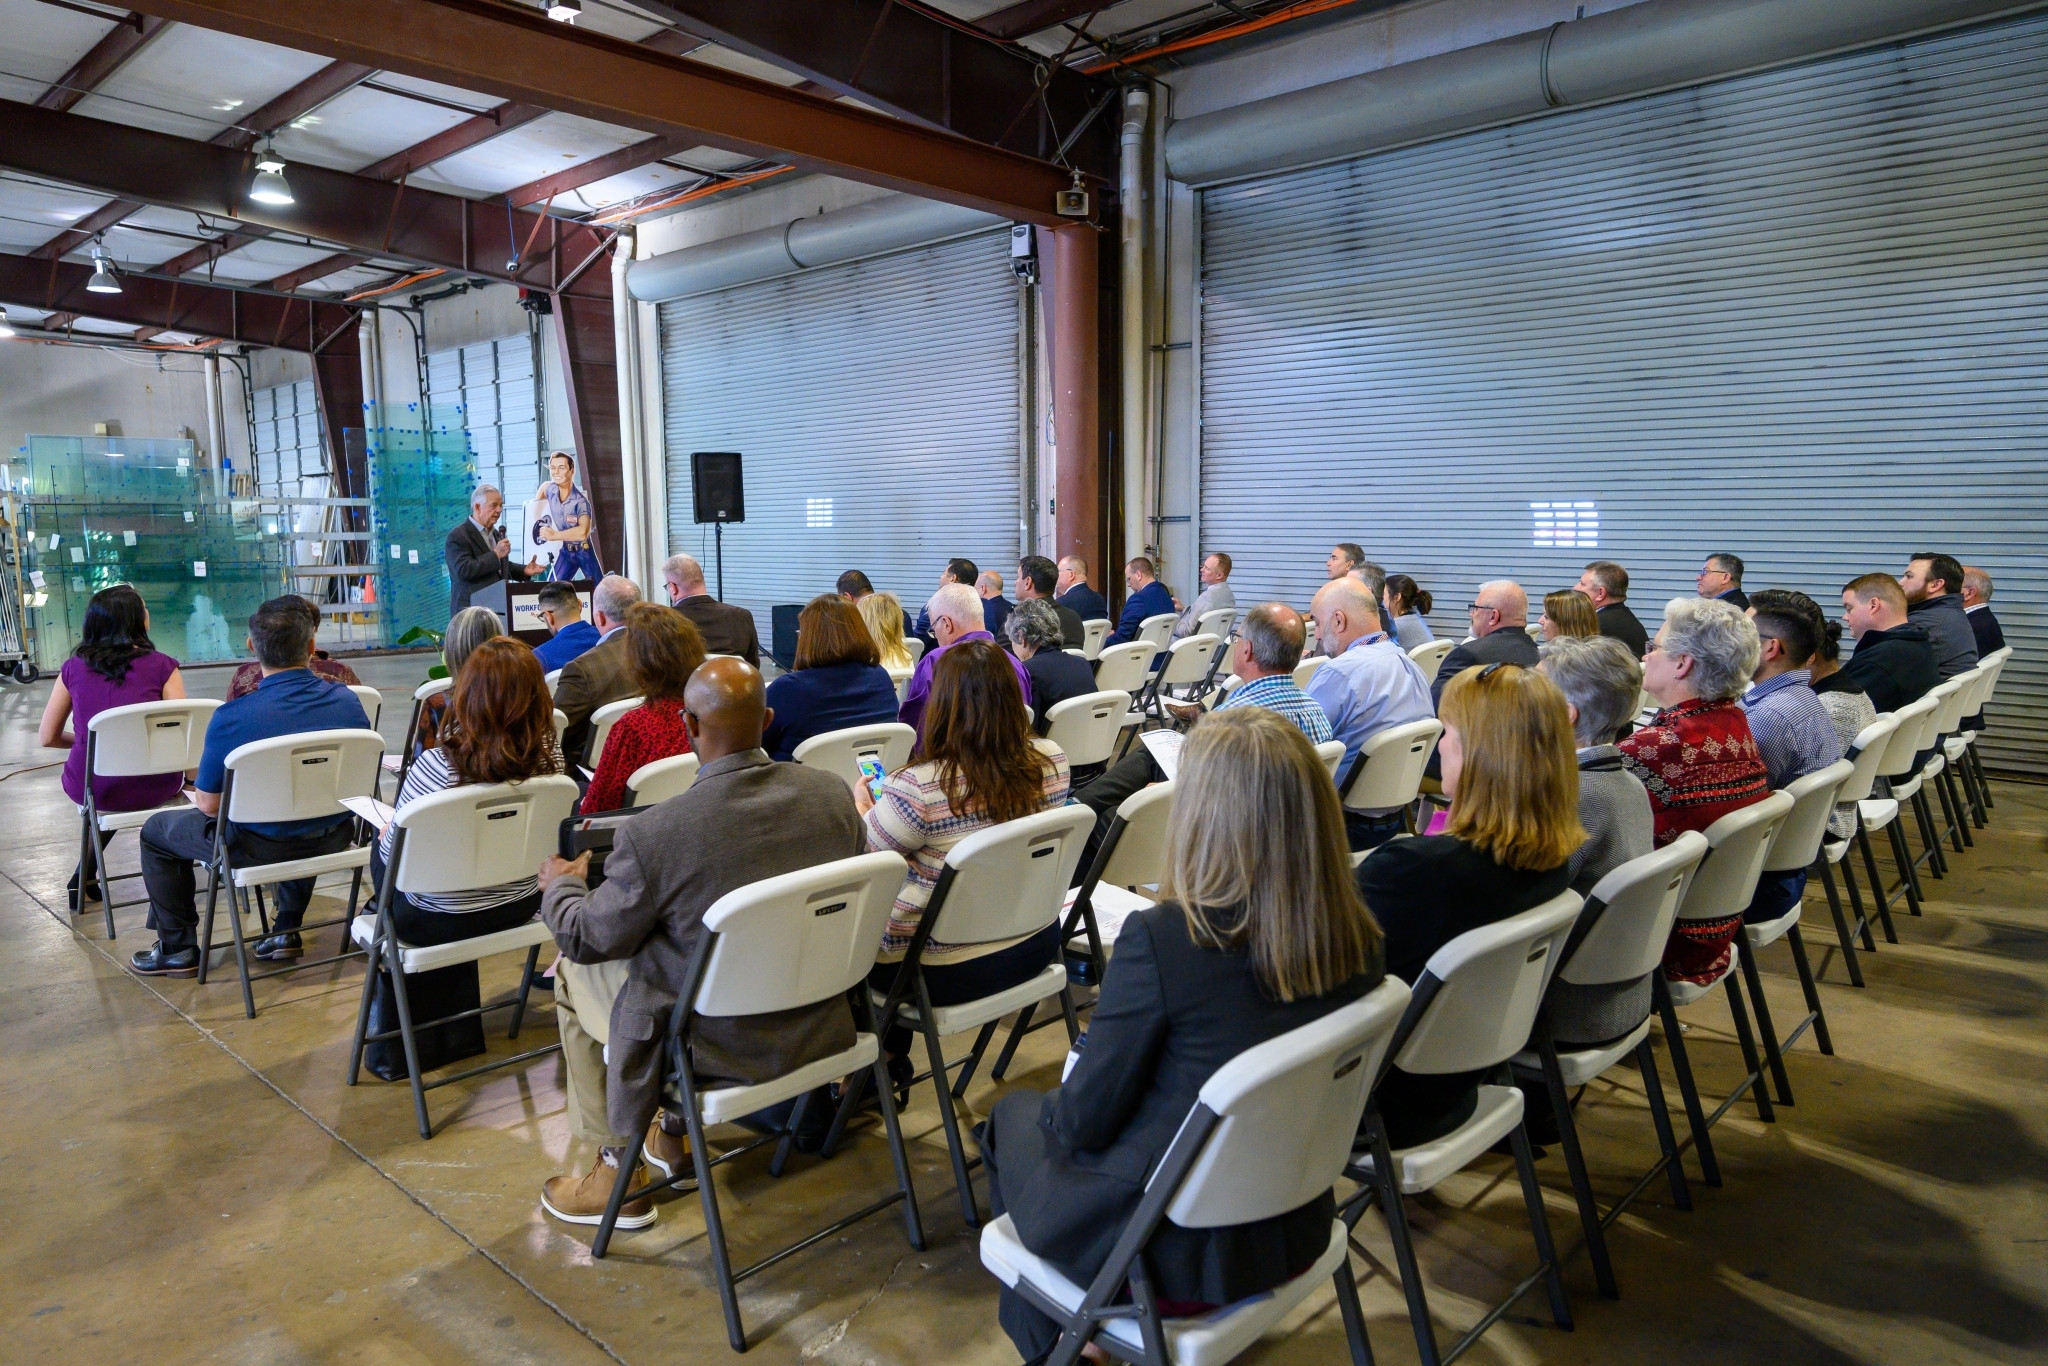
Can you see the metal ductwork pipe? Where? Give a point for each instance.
(892, 223)
(1648, 47)
(1133, 331)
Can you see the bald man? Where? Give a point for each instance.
(1500, 634)
(1369, 685)
(626, 946)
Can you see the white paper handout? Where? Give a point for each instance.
(370, 809)
(1165, 746)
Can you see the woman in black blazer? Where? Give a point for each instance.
(1035, 638)
(1258, 931)
(1510, 769)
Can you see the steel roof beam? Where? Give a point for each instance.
(174, 305)
(130, 34)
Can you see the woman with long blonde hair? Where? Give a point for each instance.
(1510, 768)
(1258, 930)
(884, 617)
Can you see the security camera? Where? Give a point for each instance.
(1024, 253)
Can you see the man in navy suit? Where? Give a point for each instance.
(1071, 591)
(1148, 598)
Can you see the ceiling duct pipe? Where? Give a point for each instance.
(892, 223)
(1644, 48)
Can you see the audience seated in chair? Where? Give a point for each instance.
(1894, 660)
(1605, 585)
(626, 946)
(856, 588)
(1258, 931)
(467, 629)
(248, 676)
(1933, 584)
(1977, 607)
(1508, 770)
(1720, 580)
(1036, 576)
(955, 615)
(291, 700)
(1568, 613)
(662, 650)
(1147, 598)
(1406, 604)
(727, 630)
(1500, 618)
(1072, 591)
(1848, 706)
(1369, 685)
(1342, 559)
(995, 608)
(562, 610)
(1794, 731)
(838, 680)
(889, 627)
(1214, 597)
(1697, 756)
(600, 674)
(979, 766)
(1037, 641)
(961, 571)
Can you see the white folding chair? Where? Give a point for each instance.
(1867, 753)
(1124, 668)
(1086, 727)
(1722, 888)
(601, 722)
(1190, 664)
(432, 688)
(1430, 656)
(143, 739)
(840, 751)
(1902, 784)
(1619, 938)
(916, 648)
(372, 700)
(1306, 670)
(1006, 882)
(455, 841)
(1995, 662)
(1217, 623)
(1269, 1132)
(1939, 771)
(777, 945)
(1388, 771)
(662, 779)
(553, 678)
(1093, 633)
(299, 777)
(1534, 630)
(1796, 847)
(1331, 752)
(1956, 748)
(1157, 630)
(1472, 1010)
(561, 725)
(900, 676)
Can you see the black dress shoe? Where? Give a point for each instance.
(280, 948)
(157, 962)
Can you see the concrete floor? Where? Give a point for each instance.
(197, 1186)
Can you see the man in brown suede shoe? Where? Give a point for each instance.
(626, 947)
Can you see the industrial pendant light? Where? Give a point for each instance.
(269, 186)
(565, 11)
(104, 280)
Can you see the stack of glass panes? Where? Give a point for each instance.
(421, 474)
(97, 511)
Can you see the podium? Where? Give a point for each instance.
(517, 604)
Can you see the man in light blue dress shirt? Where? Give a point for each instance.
(1369, 685)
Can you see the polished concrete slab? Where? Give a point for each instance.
(200, 1186)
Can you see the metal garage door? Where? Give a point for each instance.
(492, 382)
(1798, 316)
(876, 405)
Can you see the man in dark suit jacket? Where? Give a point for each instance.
(1977, 606)
(601, 674)
(745, 819)
(1036, 577)
(995, 608)
(727, 630)
(476, 555)
(1500, 635)
(1071, 590)
(1721, 577)
(1605, 585)
(1148, 598)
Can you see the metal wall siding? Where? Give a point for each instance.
(287, 450)
(492, 383)
(876, 406)
(1801, 316)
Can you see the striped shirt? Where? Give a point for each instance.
(1794, 733)
(913, 818)
(1277, 693)
(431, 773)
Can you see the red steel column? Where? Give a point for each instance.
(1076, 400)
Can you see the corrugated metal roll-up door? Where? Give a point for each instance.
(1798, 316)
(876, 407)
(288, 452)
(492, 383)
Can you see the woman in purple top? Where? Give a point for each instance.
(115, 665)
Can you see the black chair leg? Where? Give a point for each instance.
(913, 1224)
(1812, 992)
(412, 1055)
(1848, 940)
(1688, 1089)
(1017, 1033)
(1878, 894)
(371, 958)
(1539, 1227)
(1750, 1061)
(525, 986)
(1389, 1184)
(1983, 782)
(1863, 917)
(969, 1210)
(1902, 855)
(1354, 1316)
(1575, 1164)
(1767, 1031)
(988, 1031)
(241, 950)
(1660, 1116)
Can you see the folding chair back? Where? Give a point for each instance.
(1430, 655)
(1157, 630)
(1632, 910)
(1086, 727)
(1138, 858)
(1331, 752)
(372, 700)
(478, 835)
(1976, 686)
(900, 676)
(1488, 984)
(302, 777)
(1124, 668)
(1287, 1114)
(553, 678)
(561, 725)
(1093, 633)
(1011, 880)
(146, 738)
(916, 648)
(1738, 844)
(1948, 713)
(1189, 661)
(1872, 744)
(1217, 623)
(840, 751)
(1388, 772)
(1306, 670)
(1813, 801)
(662, 779)
(432, 688)
(800, 938)
(1907, 740)
(601, 722)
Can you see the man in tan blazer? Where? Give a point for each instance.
(600, 674)
(746, 818)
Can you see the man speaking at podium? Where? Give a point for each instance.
(477, 552)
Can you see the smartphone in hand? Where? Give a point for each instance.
(871, 769)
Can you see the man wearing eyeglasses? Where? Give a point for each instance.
(1500, 619)
(1721, 577)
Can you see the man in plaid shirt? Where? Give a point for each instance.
(1794, 734)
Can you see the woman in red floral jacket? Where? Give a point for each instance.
(1697, 757)
(663, 649)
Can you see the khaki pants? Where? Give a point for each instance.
(583, 1013)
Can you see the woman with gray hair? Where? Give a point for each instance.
(467, 629)
(1035, 638)
(1697, 757)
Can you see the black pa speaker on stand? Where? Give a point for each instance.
(721, 496)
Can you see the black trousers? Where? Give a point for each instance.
(952, 984)
(172, 841)
(1370, 832)
(1137, 771)
(420, 927)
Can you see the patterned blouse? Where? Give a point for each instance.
(653, 730)
(913, 818)
(1699, 762)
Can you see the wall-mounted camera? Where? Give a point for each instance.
(1024, 253)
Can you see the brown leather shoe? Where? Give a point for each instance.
(581, 1199)
(669, 1154)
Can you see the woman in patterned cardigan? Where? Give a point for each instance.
(1697, 758)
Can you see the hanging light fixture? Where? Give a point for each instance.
(269, 186)
(104, 280)
(565, 11)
